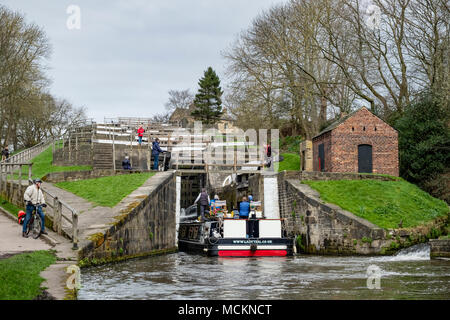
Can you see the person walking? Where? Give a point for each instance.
(156, 150)
(5, 153)
(268, 156)
(203, 197)
(140, 132)
(33, 196)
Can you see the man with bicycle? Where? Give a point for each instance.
(34, 198)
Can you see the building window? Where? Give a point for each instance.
(364, 128)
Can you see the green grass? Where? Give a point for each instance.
(19, 275)
(384, 203)
(11, 208)
(42, 165)
(106, 191)
(291, 162)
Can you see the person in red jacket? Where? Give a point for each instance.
(140, 132)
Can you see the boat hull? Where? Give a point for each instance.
(276, 247)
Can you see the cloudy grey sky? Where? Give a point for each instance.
(129, 53)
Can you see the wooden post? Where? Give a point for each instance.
(235, 160)
(1, 178)
(114, 151)
(11, 185)
(131, 147)
(59, 217)
(5, 168)
(20, 181)
(74, 231)
(70, 150)
(55, 214)
(30, 171)
(149, 156)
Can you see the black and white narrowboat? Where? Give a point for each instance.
(226, 236)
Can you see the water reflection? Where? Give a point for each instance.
(184, 276)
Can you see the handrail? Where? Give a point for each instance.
(7, 167)
(29, 153)
(57, 207)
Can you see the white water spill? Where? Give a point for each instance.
(418, 252)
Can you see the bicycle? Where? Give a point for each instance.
(35, 223)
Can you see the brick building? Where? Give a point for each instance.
(357, 142)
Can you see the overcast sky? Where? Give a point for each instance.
(129, 53)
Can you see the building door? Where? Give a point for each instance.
(321, 157)
(365, 158)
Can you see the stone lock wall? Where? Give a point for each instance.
(326, 228)
(145, 228)
(440, 248)
(73, 157)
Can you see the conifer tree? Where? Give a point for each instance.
(208, 101)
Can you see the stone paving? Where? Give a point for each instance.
(12, 242)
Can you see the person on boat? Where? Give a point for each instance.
(204, 199)
(211, 203)
(244, 208)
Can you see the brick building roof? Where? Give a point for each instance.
(341, 120)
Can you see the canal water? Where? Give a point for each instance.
(409, 275)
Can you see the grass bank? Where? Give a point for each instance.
(42, 165)
(11, 208)
(291, 162)
(106, 191)
(19, 275)
(384, 203)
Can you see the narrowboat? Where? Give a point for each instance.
(224, 235)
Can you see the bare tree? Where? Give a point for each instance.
(23, 49)
(179, 99)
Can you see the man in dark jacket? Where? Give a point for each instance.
(203, 197)
(5, 153)
(156, 150)
(126, 163)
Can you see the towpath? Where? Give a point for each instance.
(12, 242)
